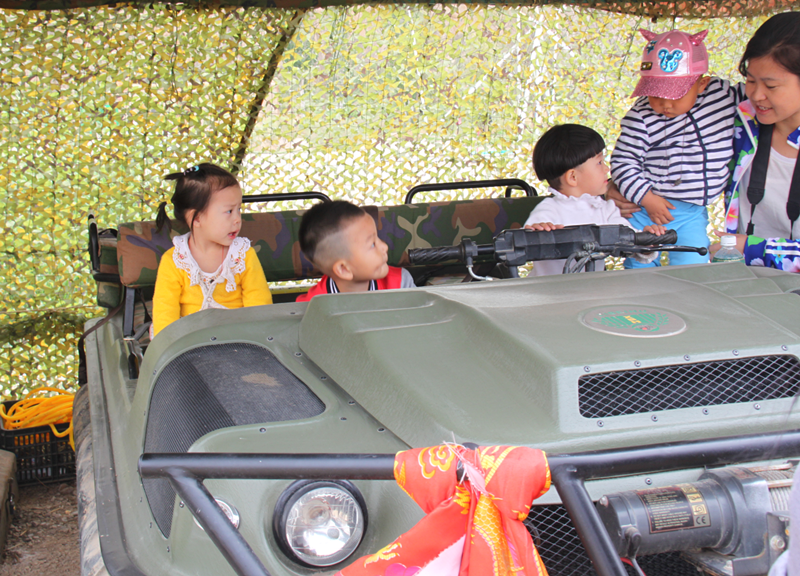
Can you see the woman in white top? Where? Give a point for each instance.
(763, 199)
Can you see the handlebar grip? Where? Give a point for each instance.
(434, 255)
(648, 239)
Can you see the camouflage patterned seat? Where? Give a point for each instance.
(274, 236)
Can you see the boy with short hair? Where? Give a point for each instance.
(672, 155)
(570, 158)
(341, 240)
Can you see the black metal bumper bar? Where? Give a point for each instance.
(186, 473)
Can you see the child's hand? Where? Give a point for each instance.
(741, 241)
(656, 229)
(657, 208)
(626, 207)
(543, 226)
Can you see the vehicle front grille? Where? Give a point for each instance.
(213, 387)
(563, 553)
(688, 385)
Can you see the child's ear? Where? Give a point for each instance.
(342, 270)
(703, 82)
(570, 177)
(190, 216)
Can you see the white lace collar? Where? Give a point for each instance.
(232, 265)
(583, 199)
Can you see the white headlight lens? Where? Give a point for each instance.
(324, 525)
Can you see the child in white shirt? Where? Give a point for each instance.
(570, 158)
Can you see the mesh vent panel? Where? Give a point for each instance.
(563, 553)
(215, 387)
(689, 385)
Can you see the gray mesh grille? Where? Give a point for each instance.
(215, 387)
(688, 385)
(563, 553)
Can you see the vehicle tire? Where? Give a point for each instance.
(91, 557)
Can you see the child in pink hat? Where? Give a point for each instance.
(675, 145)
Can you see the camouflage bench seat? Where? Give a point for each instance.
(134, 252)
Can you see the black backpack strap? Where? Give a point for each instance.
(793, 203)
(758, 171)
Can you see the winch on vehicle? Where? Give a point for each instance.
(731, 522)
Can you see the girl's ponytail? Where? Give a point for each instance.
(162, 218)
(193, 189)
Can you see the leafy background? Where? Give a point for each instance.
(362, 102)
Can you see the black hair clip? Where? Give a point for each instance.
(190, 170)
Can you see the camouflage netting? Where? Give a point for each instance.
(650, 9)
(361, 102)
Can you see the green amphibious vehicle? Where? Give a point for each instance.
(641, 386)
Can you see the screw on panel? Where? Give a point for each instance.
(154, 372)
(181, 504)
(784, 348)
(705, 411)
(637, 363)
(600, 424)
(585, 368)
(213, 338)
(270, 338)
(141, 500)
(686, 357)
(352, 402)
(262, 430)
(757, 406)
(654, 418)
(381, 429)
(777, 543)
(323, 377)
(648, 481)
(735, 352)
(603, 501)
(342, 418)
(167, 549)
(151, 524)
(298, 353)
(292, 313)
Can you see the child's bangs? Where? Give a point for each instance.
(595, 145)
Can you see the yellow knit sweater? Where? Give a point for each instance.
(175, 296)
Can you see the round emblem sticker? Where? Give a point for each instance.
(634, 321)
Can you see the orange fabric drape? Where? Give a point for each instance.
(472, 528)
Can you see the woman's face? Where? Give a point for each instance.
(775, 92)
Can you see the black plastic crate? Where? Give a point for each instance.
(42, 457)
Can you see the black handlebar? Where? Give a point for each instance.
(648, 239)
(94, 245)
(516, 247)
(309, 195)
(509, 183)
(419, 256)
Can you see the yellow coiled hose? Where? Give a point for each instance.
(32, 411)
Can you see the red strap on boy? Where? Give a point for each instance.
(393, 280)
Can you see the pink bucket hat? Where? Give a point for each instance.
(671, 63)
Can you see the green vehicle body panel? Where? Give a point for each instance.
(491, 362)
(500, 366)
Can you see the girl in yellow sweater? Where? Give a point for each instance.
(211, 266)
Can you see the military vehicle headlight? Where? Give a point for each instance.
(231, 512)
(320, 523)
